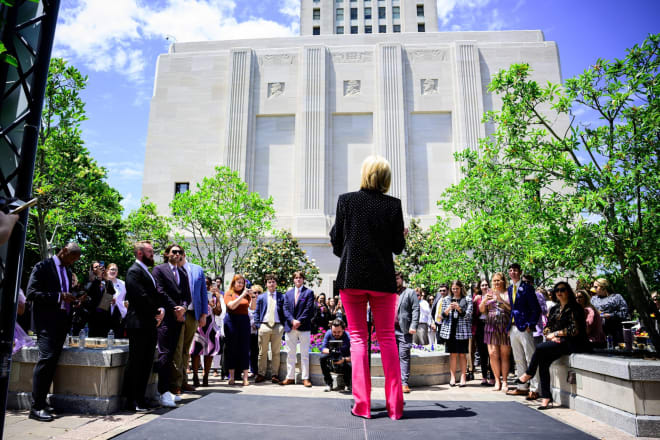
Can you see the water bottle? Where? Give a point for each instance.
(81, 338)
(111, 338)
(610, 343)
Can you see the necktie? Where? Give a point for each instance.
(297, 295)
(514, 290)
(270, 310)
(176, 275)
(63, 284)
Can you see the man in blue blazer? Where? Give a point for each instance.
(196, 314)
(270, 321)
(525, 313)
(298, 311)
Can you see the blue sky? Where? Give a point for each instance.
(116, 43)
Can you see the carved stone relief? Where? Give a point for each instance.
(352, 57)
(284, 58)
(428, 55)
(352, 87)
(275, 89)
(429, 86)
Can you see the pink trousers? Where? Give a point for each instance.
(383, 309)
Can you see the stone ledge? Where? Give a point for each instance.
(621, 368)
(640, 426)
(88, 357)
(69, 403)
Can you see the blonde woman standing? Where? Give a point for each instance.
(495, 304)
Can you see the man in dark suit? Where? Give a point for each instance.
(172, 284)
(525, 313)
(49, 289)
(405, 326)
(143, 315)
(269, 321)
(298, 311)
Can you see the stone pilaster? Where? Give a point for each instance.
(390, 116)
(468, 100)
(238, 110)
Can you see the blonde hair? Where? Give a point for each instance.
(257, 288)
(376, 174)
(501, 275)
(602, 282)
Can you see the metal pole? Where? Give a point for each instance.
(23, 185)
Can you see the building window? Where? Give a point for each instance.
(367, 13)
(339, 1)
(340, 14)
(382, 29)
(421, 27)
(316, 14)
(396, 12)
(353, 13)
(381, 12)
(367, 29)
(396, 28)
(340, 30)
(316, 30)
(181, 187)
(353, 29)
(420, 11)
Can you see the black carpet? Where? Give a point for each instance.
(236, 416)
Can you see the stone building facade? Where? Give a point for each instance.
(296, 116)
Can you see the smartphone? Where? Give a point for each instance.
(19, 206)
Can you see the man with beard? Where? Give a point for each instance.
(143, 316)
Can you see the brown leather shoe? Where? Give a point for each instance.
(307, 383)
(406, 389)
(533, 395)
(275, 379)
(516, 392)
(288, 382)
(176, 390)
(188, 388)
(259, 378)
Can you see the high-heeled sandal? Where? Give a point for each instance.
(205, 380)
(549, 405)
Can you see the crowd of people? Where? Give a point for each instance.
(177, 310)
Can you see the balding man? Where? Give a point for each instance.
(49, 289)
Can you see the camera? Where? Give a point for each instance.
(335, 350)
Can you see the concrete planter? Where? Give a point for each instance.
(425, 369)
(622, 392)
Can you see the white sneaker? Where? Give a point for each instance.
(177, 398)
(167, 400)
(327, 388)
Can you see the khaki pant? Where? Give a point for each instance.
(182, 352)
(272, 336)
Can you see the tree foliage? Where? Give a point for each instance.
(221, 218)
(75, 201)
(145, 223)
(281, 256)
(580, 195)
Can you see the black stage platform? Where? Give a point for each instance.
(235, 416)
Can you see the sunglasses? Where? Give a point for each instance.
(176, 251)
(561, 290)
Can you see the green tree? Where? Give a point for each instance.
(597, 184)
(145, 223)
(75, 201)
(221, 218)
(412, 261)
(281, 256)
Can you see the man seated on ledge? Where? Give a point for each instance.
(336, 359)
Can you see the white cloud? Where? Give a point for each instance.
(112, 36)
(125, 170)
(463, 14)
(130, 203)
(291, 7)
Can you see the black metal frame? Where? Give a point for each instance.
(28, 29)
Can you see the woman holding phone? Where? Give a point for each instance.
(237, 329)
(496, 331)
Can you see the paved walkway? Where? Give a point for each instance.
(83, 427)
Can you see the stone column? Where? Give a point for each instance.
(390, 116)
(239, 99)
(468, 99)
(311, 135)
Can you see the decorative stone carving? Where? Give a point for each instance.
(352, 57)
(284, 58)
(275, 89)
(429, 86)
(352, 87)
(421, 55)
